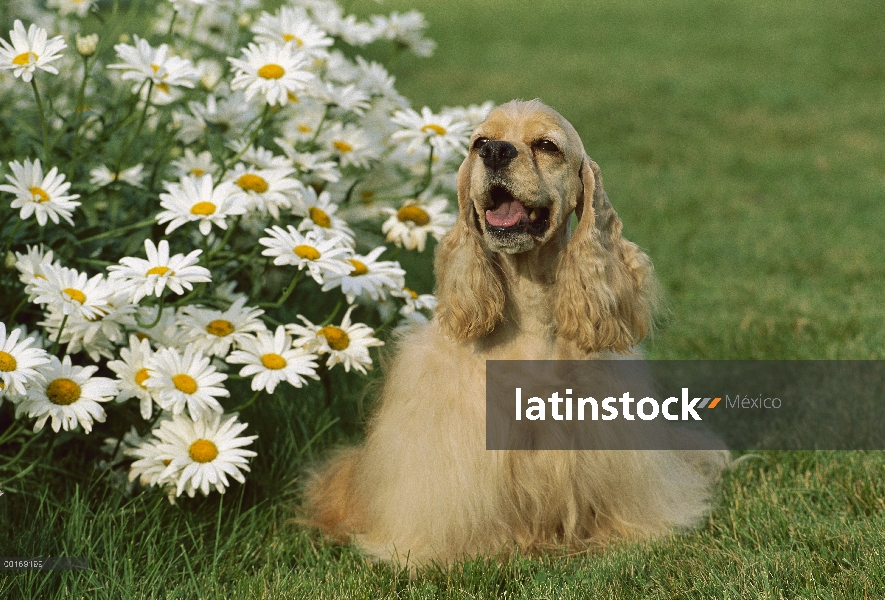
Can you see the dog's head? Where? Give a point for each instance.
(522, 176)
(525, 174)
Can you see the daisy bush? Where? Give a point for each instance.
(201, 213)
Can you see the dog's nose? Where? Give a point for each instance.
(497, 155)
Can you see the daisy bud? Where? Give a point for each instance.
(86, 45)
(244, 20)
(10, 260)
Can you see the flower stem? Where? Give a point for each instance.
(141, 120)
(79, 111)
(286, 293)
(428, 177)
(156, 320)
(43, 124)
(249, 403)
(55, 345)
(252, 139)
(119, 231)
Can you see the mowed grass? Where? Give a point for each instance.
(742, 144)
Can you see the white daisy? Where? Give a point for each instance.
(410, 225)
(301, 125)
(369, 277)
(266, 190)
(194, 164)
(150, 277)
(214, 331)
(69, 394)
(164, 332)
(177, 380)
(224, 114)
(71, 292)
(258, 157)
(30, 266)
(351, 145)
(270, 359)
(196, 199)
(38, 194)
(347, 343)
(348, 98)
(313, 167)
(98, 335)
(272, 70)
(30, 51)
(320, 256)
(414, 300)
(203, 453)
(443, 132)
(71, 7)
(19, 363)
(291, 25)
(102, 175)
(320, 217)
(148, 466)
(132, 373)
(142, 62)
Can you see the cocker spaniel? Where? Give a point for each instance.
(513, 284)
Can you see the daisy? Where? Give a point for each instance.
(29, 51)
(349, 98)
(443, 132)
(203, 453)
(347, 343)
(150, 277)
(69, 394)
(260, 158)
(291, 25)
(132, 373)
(176, 381)
(214, 331)
(194, 164)
(196, 199)
(19, 363)
(302, 124)
(351, 145)
(38, 194)
(405, 30)
(266, 190)
(270, 359)
(320, 256)
(410, 225)
(70, 7)
(142, 63)
(164, 333)
(313, 167)
(369, 277)
(271, 70)
(225, 114)
(148, 466)
(30, 265)
(103, 176)
(71, 292)
(320, 217)
(414, 300)
(98, 335)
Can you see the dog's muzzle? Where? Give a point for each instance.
(508, 215)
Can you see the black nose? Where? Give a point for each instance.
(497, 155)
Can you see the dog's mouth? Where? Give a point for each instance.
(509, 215)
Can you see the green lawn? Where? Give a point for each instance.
(743, 144)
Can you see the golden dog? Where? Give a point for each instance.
(512, 284)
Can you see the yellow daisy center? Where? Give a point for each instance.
(203, 451)
(7, 362)
(307, 252)
(271, 71)
(75, 295)
(162, 86)
(305, 128)
(337, 337)
(156, 68)
(197, 172)
(292, 98)
(220, 327)
(63, 391)
(184, 383)
(39, 194)
(415, 214)
(411, 292)
(319, 216)
(141, 376)
(25, 58)
(359, 268)
(273, 361)
(342, 146)
(203, 208)
(437, 129)
(253, 183)
(367, 195)
(159, 270)
(290, 37)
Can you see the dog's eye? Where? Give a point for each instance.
(546, 146)
(480, 142)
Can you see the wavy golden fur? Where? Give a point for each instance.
(513, 283)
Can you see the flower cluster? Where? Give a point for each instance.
(205, 212)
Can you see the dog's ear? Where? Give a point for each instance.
(470, 288)
(605, 287)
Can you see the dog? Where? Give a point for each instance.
(513, 284)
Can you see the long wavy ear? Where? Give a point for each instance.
(605, 287)
(470, 287)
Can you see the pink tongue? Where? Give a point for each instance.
(507, 214)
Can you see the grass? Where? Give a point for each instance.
(741, 144)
